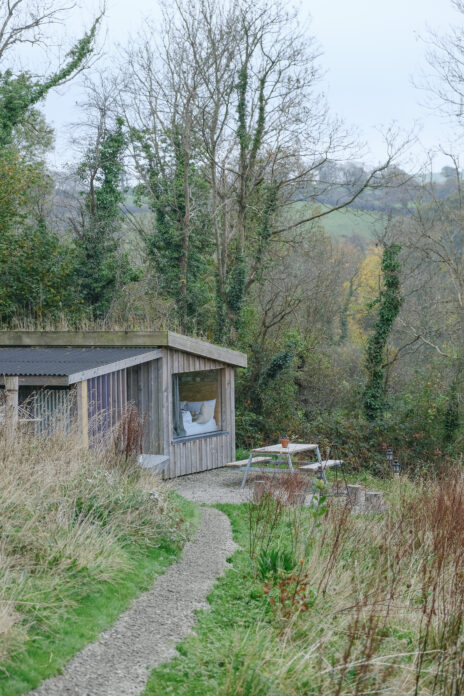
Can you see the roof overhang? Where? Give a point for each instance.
(139, 339)
(58, 380)
(114, 366)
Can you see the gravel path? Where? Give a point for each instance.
(220, 486)
(119, 662)
(214, 486)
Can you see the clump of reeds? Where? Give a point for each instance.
(128, 435)
(380, 603)
(275, 497)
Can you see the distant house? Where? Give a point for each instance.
(182, 387)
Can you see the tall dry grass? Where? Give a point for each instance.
(68, 517)
(381, 603)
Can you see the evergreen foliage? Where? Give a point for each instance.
(169, 244)
(257, 202)
(100, 268)
(38, 275)
(19, 93)
(389, 306)
(452, 416)
(36, 268)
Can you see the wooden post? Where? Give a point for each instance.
(355, 495)
(82, 412)
(12, 403)
(374, 501)
(259, 489)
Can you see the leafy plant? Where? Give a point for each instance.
(274, 561)
(389, 302)
(101, 269)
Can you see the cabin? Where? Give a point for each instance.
(182, 387)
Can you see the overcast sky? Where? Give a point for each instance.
(371, 52)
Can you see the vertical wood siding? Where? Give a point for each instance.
(107, 400)
(149, 387)
(206, 452)
(52, 409)
(144, 389)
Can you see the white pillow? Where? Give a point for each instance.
(195, 406)
(186, 418)
(206, 413)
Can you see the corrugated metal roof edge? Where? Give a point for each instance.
(134, 339)
(71, 375)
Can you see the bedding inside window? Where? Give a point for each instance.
(195, 403)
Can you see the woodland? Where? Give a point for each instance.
(214, 194)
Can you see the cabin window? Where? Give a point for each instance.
(195, 403)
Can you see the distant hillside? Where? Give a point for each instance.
(349, 223)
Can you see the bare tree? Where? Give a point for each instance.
(433, 249)
(242, 82)
(445, 58)
(34, 22)
(27, 22)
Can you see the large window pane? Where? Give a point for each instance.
(195, 403)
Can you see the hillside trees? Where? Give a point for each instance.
(24, 22)
(158, 102)
(101, 266)
(36, 268)
(288, 329)
(428, 334)
(431, 322)
(242, 103)
(433, 236)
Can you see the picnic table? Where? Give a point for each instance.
(262, 455)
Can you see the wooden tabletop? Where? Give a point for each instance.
(278, 449)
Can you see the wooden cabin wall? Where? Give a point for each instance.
(107, 401)
(51, 408)
(208, 451)
(144, 390)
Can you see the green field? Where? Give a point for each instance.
(344, 224)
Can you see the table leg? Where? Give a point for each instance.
(319, 459)
(246, 471)
(290, 463)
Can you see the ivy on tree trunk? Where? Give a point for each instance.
(19, 93)
(390, 301)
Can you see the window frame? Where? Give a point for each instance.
(221, 426)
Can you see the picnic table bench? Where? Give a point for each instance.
(243, 462)
(261, 455)
(264, 455)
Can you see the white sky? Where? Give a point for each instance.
(371, 51)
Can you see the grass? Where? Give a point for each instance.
(237, 603)
(82, 534)
(370, 604)
(347, 223)
(361, 477)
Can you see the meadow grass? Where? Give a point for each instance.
(82, 533)
(360, 604)
(346, 223)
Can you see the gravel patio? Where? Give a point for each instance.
(219, 486)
